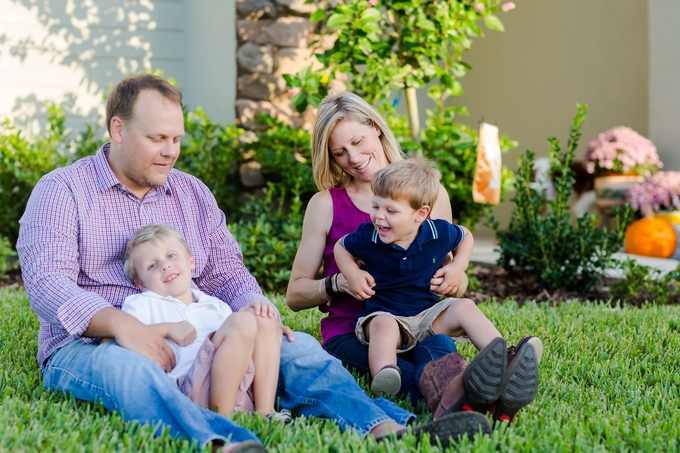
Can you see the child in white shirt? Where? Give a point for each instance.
(226, 361)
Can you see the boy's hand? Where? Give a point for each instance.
(361, 284)
(182, 333)
(260, 308)
(448, 281)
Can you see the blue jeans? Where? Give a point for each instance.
(354, 355)
(311, 382)
(137, 388)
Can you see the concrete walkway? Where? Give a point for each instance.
(484, 253)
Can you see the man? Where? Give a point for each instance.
(71, 242)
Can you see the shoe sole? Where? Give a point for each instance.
(249, 446)
(520, 384)
(538, 347)
(387, 381)
(483, 378)
(447, 430)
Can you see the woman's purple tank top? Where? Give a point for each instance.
(344, 308)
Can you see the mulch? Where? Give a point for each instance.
(525, 287)
(12, 280)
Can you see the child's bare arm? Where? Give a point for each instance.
(360, 282)
(182, 333)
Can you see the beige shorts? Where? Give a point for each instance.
(196, 383)
(413, 328)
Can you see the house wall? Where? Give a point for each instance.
(553, 54)
(664, 80)
(71, 52)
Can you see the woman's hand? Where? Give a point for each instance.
(449, 281)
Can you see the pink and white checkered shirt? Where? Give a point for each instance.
(73, 236)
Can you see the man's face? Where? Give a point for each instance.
(164, 267)
(147, 145)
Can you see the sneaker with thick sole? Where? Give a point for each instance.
(448, 429)
(520, 382)
(387, 380)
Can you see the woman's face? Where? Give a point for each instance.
(357, 149)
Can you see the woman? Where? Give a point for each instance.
(350, 143)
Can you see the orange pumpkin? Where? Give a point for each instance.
(651, 237)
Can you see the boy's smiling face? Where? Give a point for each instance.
(164, 267)
(396, 221)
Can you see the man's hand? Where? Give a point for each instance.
(182, 333)
(361, 284)
(144, 340)
(448, 281)
(259, 308)
(132, 334)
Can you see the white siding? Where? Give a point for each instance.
(69, 52)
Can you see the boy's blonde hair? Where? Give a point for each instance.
(416, 180)
(153, 233)
(333, 109)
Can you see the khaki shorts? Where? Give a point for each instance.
(413, 328)
(196, 383)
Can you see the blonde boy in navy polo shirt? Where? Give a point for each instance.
(402, 248)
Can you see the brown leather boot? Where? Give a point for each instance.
(437, 380)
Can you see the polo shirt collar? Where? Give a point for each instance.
(426, 233)
(106, 179)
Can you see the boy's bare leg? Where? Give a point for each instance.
(266, 357)
(464, 313)
(234, 344)
(383, 336)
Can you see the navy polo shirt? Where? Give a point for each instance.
(403, 276)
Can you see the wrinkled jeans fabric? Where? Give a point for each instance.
(313, 383)
(354, 355)
(137, 388)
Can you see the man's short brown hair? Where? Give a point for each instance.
(124, 94)
(415, 180)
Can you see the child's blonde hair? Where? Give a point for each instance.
(416, 180)
(152, 233)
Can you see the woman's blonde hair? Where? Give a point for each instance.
(333, 109)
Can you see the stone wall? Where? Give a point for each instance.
(274, 38)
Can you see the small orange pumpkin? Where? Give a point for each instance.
(651, 237)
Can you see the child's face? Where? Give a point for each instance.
(164, 267)
(396, 221)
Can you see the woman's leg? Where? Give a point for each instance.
(266, 357)
(354, 355)
(234, 343)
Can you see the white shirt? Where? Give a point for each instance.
(206, 315)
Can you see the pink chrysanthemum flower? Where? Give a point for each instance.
(479, 7)
(621, 150)
(659, 191)
(508, 6)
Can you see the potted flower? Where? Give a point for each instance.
(619, 158)
(657, 233)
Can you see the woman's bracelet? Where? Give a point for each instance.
(329, 285)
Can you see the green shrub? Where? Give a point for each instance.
(24, 159)
(212, 152)
(643, 284)
(8, 257)
(269, 235)
(542, 238)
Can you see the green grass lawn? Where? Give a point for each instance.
(609, 382)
